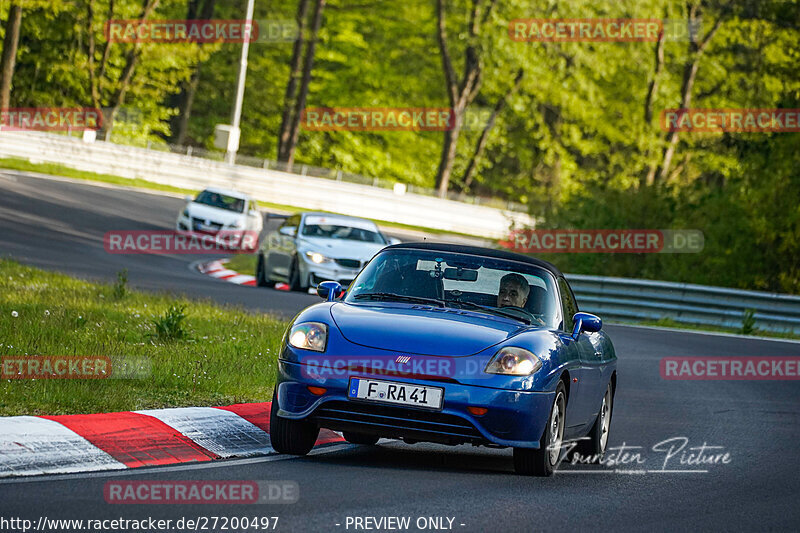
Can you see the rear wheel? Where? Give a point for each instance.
(294, 437)
(543, 461)
(261, 274)
(592, 448)
(360, 438)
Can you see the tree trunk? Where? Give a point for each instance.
(179, 124)
(10, 45)
(696, 51)
(472, 167)
(648, 107)
(460, 94)
(308, 65)
(294, 76)
(131, 60)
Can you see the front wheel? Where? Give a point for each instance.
(543, 461)
(592, 448)
(293, 437)
(294, 276)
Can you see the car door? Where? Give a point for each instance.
(280, 247)
(591, 391)
(578, 407)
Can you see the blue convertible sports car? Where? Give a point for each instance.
(449, 344)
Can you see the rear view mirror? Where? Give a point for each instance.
(585, 322)
(330, 290)
(460, 274)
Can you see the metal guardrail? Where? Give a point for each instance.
(632, 299)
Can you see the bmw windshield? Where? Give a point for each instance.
(488, 285)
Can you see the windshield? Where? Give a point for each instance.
(482, 284)
(221, 201)
(333, 231)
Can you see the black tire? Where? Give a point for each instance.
(592, 448)
(261, 274)
(294, 276)
(360, 438)
(293, 437)
(542, 462)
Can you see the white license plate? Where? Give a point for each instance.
(393, 392)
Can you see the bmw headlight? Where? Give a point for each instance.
(513, 361)
(309, 336)
(317, 257)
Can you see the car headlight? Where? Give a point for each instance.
(186, 213)
(513, 361)
(237, 224)
(317, 257)
(309, 336)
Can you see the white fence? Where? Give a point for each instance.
(267, 185)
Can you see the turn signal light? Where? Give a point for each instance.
(477, 411)
(319, 391)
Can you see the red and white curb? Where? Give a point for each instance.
(35, 445)
(216, 269)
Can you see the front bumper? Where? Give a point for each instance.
(514, 418)
(314, 273)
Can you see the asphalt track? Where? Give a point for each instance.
(59, 225)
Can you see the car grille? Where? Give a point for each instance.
(196, 222)
(349, 263)
(389, 421)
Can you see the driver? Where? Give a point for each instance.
(514, 291)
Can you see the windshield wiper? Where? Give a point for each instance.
(398, 297)
(488, 309)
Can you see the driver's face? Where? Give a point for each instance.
(510, 296)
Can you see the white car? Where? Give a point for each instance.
(230, 216)
(309, 248)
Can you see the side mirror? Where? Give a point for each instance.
(330, 290)
(585, 322)
(289, 231)
(394, 240)
(188, 198)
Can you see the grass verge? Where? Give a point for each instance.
(53, 169)
(214, 356)
(243, 263)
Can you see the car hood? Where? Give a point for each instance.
(422, 329)
(339, 248)
(213, 214)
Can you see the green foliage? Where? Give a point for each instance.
(748, 321)
(170, 326)
(120, 288)
(572, 144)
